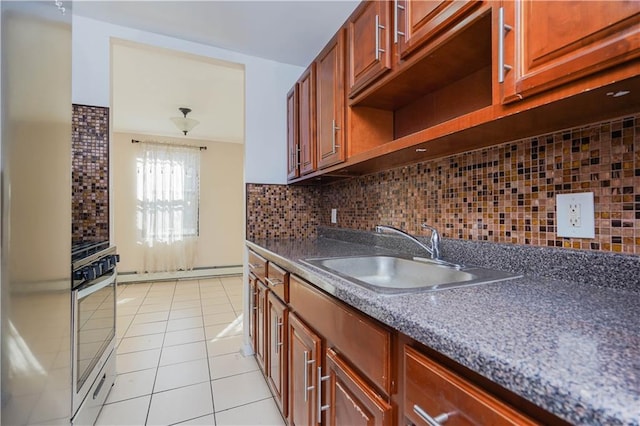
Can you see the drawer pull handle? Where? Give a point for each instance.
(274, 282)
(307, 362)
(432, 421)
(252, 266)
(321, 379)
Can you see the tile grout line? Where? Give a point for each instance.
(146, 420)
(206, 349)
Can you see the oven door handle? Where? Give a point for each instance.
(97, 285)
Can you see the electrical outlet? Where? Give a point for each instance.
(334, 215)
(575, 215)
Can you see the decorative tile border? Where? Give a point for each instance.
(90, 174)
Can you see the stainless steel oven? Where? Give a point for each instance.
(93, 330)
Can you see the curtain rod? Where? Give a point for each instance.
(201, 148)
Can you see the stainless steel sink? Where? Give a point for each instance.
(390, 274)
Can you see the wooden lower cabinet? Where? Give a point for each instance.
(351, 401)
(261, 331)
(305, 348)
(433, 394)
(276, 347)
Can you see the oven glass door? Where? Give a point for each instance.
(95, 324)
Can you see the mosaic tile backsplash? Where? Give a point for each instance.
(504, 193)
(280, 211)
(90, 174)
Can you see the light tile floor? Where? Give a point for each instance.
(179, 360)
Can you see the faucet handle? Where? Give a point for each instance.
(435, 240)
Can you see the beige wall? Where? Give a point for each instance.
(221, 201)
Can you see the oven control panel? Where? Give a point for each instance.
(97, 268)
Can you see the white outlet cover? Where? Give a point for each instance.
(586, 221)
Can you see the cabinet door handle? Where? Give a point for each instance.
(503, 29)
(274, 282)
(334, 128)
(438, 420)
(278, 336)
(307, 388)
(321, 379)
(396, 32)
(378, 28)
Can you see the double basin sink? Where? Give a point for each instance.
(390, 274)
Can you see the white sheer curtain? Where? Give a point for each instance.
(168, 191)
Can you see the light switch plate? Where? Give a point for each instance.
(575, 215)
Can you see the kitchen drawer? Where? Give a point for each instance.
(432, 389)
(257, 265)
(277, 279)
(357, 338)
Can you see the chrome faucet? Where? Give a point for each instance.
(434, 250)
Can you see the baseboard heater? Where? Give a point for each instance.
(199, 272)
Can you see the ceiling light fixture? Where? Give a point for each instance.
(184, 124)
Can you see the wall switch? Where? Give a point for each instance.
(334, 215)
(575, 215)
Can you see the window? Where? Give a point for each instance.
(168, 186)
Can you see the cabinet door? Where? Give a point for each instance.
(293, 164)
(304, 358)
(556, 42)
(432, 392)
(330, 102)
(261, 324)
(307, 120)
(350, 400)
(277, 349)
(253, 308)
(369, 44)
(421, 21)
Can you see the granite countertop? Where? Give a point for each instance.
(570, 348)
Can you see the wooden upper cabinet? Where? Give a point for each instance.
(351, 401)
(432, 392)
(307, 120)
(418, 22)
(369, 30)
(305, 348)
(276, 341)
(293, 163)
(330, 102)
(562, 41)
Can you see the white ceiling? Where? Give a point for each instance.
(149, 84)
(291, 32)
